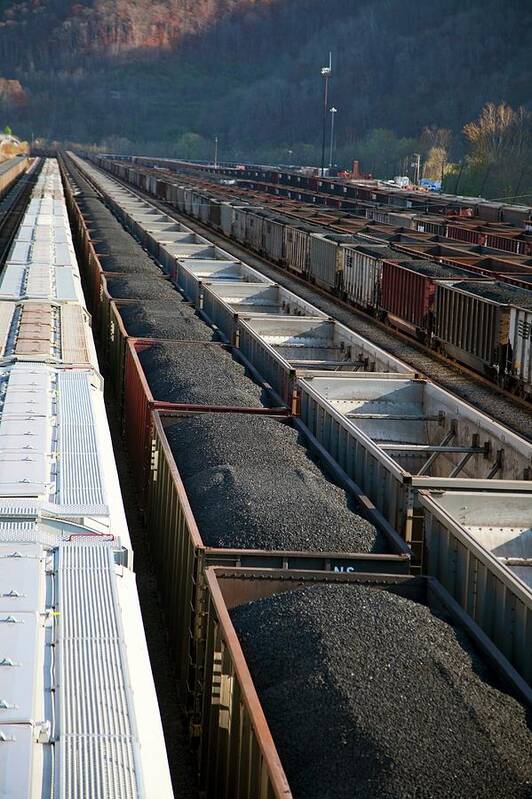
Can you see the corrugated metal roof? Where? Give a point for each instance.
(25, 684)
(48, 439)
(80, 474)
(95, 712)
(91, 714)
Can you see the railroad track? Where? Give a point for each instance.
(12, 210)
(495, 401)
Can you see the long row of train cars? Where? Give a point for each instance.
(450, 301)
(373, 222)
(11, 170)
(464, 227)
(206, 356)
(78, 710)
(501, 225)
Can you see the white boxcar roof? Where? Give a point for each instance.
(42, 262)
(55, 743)
(55, 447)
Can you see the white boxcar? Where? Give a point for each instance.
(196, 200)
(181, 198)
(254, 227)
(240, 222)
(362, 271)
(188, 192)
(227, 217)
(296, 246)
(205, 208)
(273, 237)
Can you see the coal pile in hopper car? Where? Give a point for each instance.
(252, 484)
(140, 287)
(165, 319)
(368, 694)
(201, 374)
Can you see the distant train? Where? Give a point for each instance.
(461, 307)
(423, 208)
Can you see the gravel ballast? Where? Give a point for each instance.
(252, 484)
(367, 694)
(140, 287)
(164, 319)
(201, 374)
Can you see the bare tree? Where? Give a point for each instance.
(435, 143)
(499, 133)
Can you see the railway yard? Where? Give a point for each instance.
(314, 487)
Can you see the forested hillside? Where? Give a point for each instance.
(168, 76)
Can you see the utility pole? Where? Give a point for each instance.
(333, 112)
(417, 167)
(326, 74)
(215, 152)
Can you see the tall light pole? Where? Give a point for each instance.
(326, 73)
(333, 112)
(215, 152)
(416, 164)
